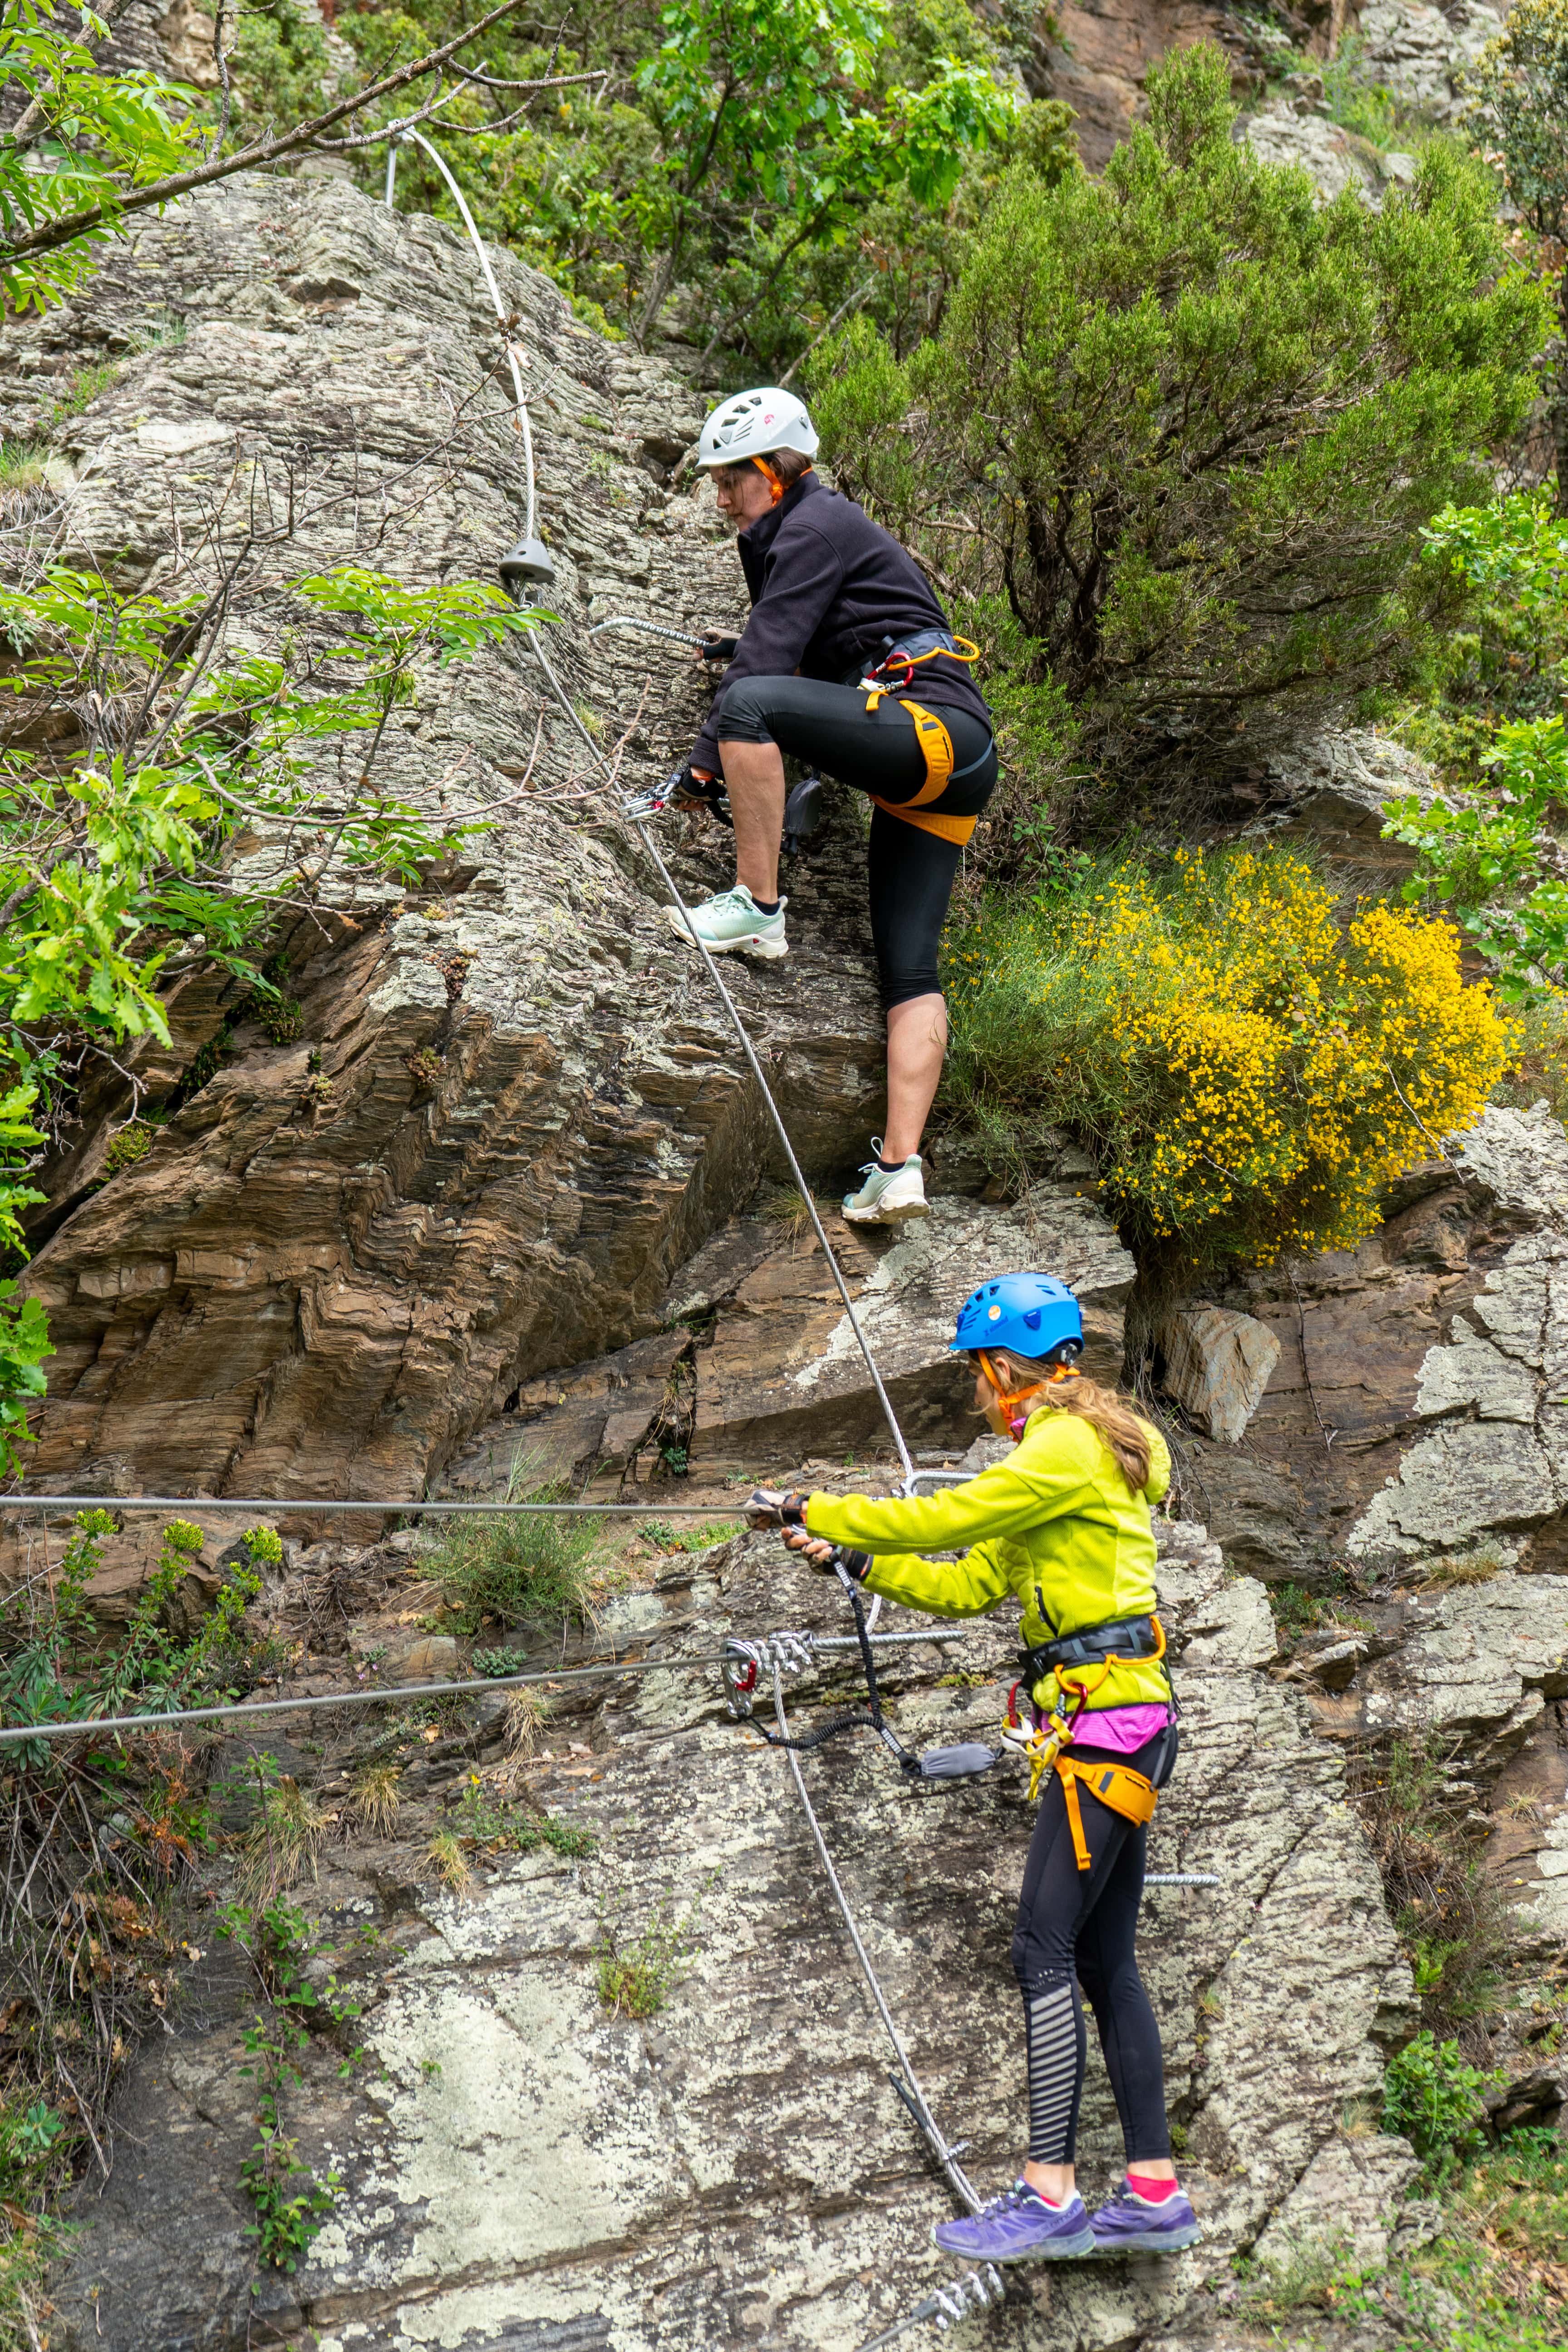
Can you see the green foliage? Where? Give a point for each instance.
(499, 1662)
(1540, 1070)
(54, 1668)
(108, 863)
(1509, 659)
(701, 1538)
(476, 1820)
(1490, 848)
(1522, 80)
(24, 1349)
(1249, 1072)
(291, 2203)
(1449, 1914)
(1433, 2095)
(265, 1546)
(1189, 424)
(96, 135)
(638, 1973)
(35, 2145)
(534, 1564)
(745, 169)
(1491, 857)
(133, 1143)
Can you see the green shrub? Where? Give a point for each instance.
(1189, 423)
(1522, 80)
(510, 1568)
(638, 1974)
(1433, 2095)
(1249, 1076)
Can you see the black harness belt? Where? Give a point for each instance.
(1091, 1646)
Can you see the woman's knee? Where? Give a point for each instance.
(747, 710)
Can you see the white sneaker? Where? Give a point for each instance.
(732, 924)
(888, 1196)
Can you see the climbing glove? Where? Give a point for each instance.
(687, 789)
(769, 1507)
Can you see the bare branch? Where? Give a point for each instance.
(49, 235)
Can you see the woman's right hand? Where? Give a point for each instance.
(817, 1548)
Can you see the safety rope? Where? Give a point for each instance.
(640, 829)
(906, 2082)
(781, 1650)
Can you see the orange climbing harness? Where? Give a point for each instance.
(1117, 1785)
(936, 748)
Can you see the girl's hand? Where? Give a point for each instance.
(817, 1549)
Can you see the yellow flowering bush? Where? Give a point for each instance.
(1250, 1070)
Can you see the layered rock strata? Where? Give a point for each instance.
(512, 1107)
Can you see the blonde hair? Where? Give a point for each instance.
(1110, 1415)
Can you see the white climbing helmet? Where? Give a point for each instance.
(753, 423)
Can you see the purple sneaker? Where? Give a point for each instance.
(1129, 2224)
(1019, 2227)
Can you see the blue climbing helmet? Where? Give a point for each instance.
(1028, 1314)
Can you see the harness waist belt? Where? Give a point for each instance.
(1092, 1645)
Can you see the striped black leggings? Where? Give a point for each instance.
(1078, 1928)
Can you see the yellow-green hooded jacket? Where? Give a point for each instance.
(1057, 1518)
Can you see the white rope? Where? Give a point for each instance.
(478, 242)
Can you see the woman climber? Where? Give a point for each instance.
(1064, 1524)
(848, 662)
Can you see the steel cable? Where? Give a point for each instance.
(910, 2090)
(380, 1695)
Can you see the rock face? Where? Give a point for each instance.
(512, 1109)
(1217, 1365)
(522, 2168)
(1422, 54)
(1293, 131)
(1398, 1419)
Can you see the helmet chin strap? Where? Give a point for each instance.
(774, 482)
(1008, 1401)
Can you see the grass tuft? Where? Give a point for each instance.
(638, 1977)
(284, 1842)
(514, 1569)
(451, 1863)
(375, 1800)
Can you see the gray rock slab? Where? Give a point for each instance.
(1217, 1365)
(523, 2168)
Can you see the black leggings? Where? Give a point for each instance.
(1076, 1926)
(911, 871)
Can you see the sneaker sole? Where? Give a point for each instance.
(765, 950)
(1167, 2242)
(900, 1214)
(1059, 2250)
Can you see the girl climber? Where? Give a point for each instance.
(1064, 1524)
(848, 662)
